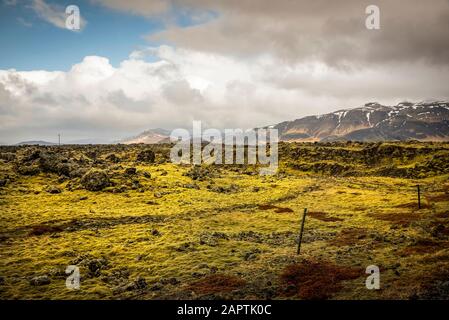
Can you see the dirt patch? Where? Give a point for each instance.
(316, 280)
(44, 229)
(401, 218)
(323, 216)
(276, 208)
(217, 283)
(349, 237)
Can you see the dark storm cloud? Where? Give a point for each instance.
(330, 31)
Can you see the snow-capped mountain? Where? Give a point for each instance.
(426, 121)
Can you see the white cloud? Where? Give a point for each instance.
(53, 14)
(95, 99)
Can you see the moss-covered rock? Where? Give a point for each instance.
(95, 180)
(146, 156)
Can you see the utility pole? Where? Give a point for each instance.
(59, 139)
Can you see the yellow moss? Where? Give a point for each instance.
(186, 214)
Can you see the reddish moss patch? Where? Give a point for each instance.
(266, 207)
(439, 257)
(444, 197)
(349, 237)
(442, 215)
(44, 229)
(401, 218)
(315, 280)
(323, 216)
(423, 246)
(276, 208)
(283, 210)
(217, 283)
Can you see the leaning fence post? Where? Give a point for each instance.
(419, 197)
(302, 229)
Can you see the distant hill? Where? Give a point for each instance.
(149, 137)
(424, 121)
(36, 142)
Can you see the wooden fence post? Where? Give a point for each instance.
(302, 229)
(419, 197)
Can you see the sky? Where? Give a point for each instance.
(140, 64)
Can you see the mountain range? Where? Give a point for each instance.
(423, 121)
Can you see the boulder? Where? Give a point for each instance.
(8, 156)
(40, 280)
(146, 156)
(53, 190)
(140, 283)
(130, 171)
(113, 158)
(95, 180)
